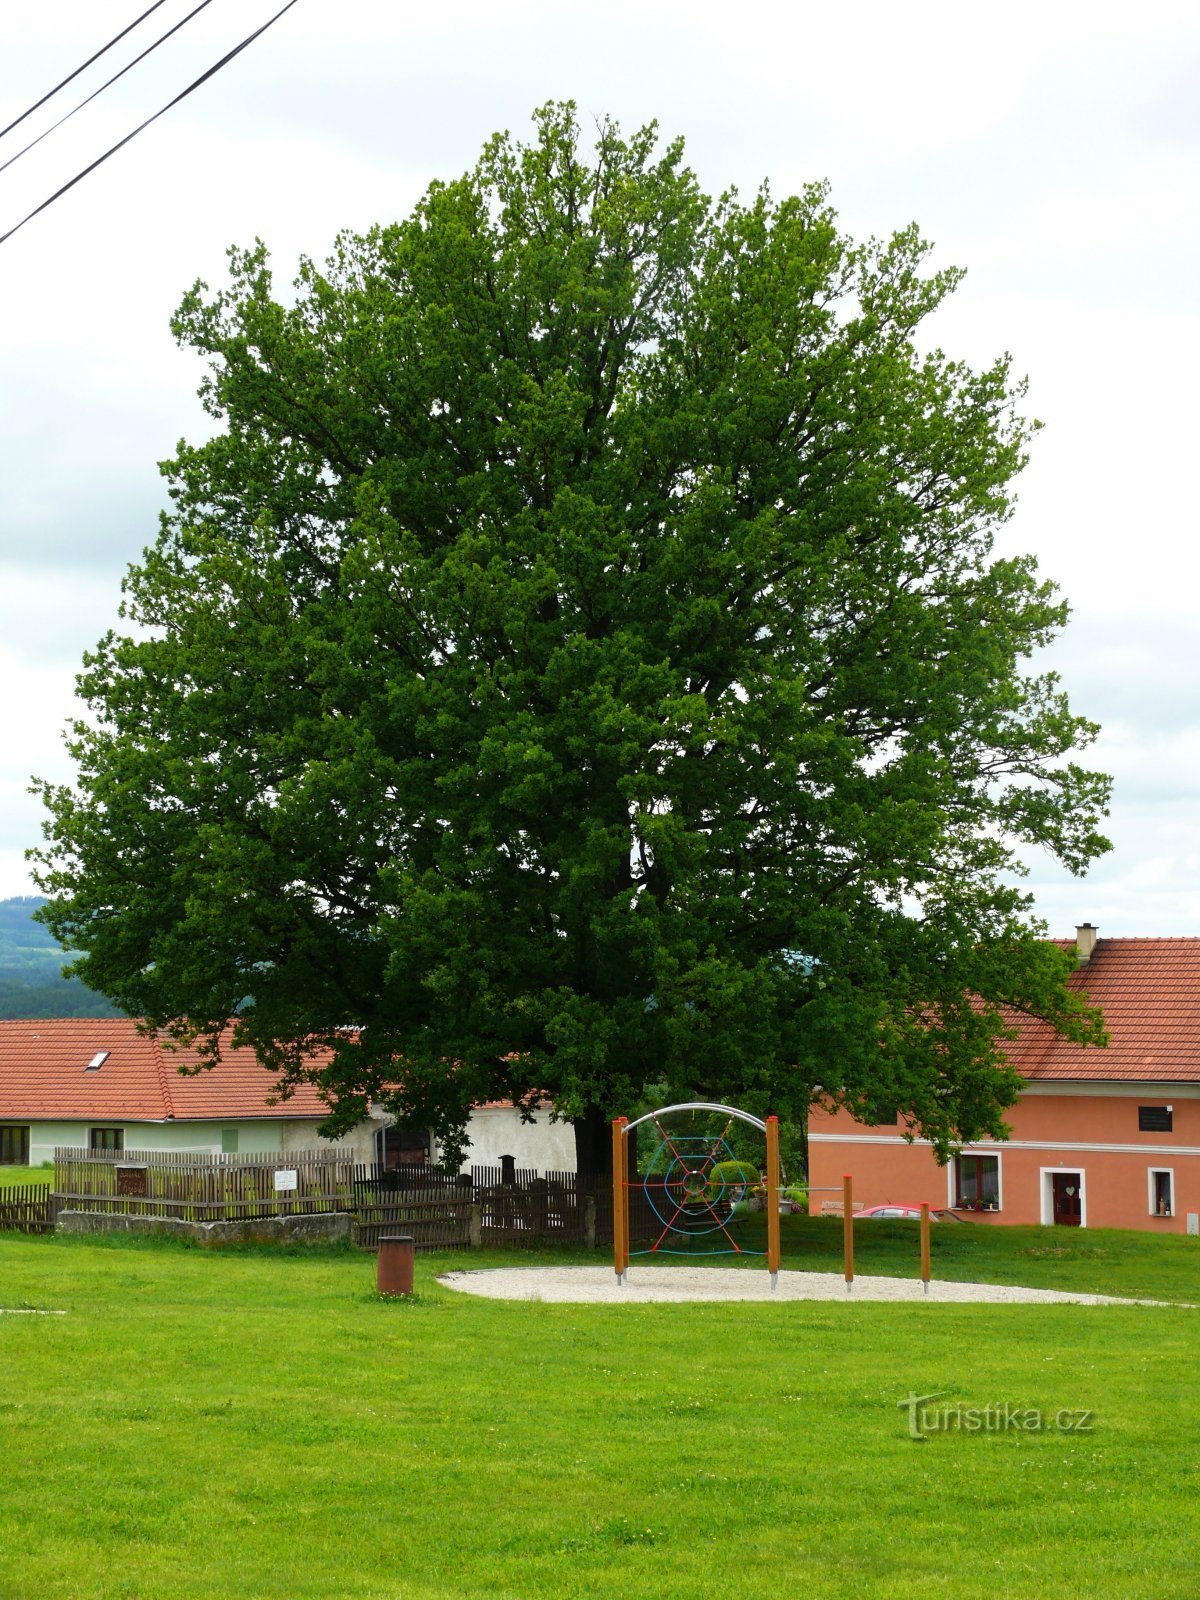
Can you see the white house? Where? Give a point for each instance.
(100, 1084)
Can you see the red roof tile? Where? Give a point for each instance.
(1149, 992)
(42, 1075)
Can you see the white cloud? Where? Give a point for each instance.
(1053, 150)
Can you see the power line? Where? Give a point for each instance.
(100, 160)
(84, 68)
(147, 51)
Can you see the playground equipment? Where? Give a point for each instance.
(691, 1185)
(847, 1210)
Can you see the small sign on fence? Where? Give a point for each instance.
(285, 1178)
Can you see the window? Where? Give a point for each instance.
(97, 1061)
(229, 1141)
(14, 1147)
(1154, 1119)
(977, 1183)
(1162, 1192)
(107, 1139)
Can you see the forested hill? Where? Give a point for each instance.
(31, 981)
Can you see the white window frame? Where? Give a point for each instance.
(952, 1186)
(1151, 1173)
(1044, 1176)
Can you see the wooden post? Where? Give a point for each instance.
(589, 1222)
(773, 1200)
(925, 1244)
(620, 1242)
(625, 1197)
(848, 1229)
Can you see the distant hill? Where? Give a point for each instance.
(31, 980)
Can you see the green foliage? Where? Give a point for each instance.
(729, 1174)
(578, 656)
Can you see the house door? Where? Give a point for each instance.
(1065, 1191)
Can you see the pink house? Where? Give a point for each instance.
(1100, 1138)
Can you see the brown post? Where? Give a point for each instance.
(620, 1242)
(394, 1267)
(773, 1199)
(925, 1244)
(848, 1229)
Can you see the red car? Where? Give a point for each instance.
(905, 1213)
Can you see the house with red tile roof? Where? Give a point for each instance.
(1100, 1138)
(101, 1084)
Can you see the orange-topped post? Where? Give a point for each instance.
(620, 1198)
(848, 1229)
(773, 1199)
(925, 1244)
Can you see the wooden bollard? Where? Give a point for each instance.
(394, 1264)
(773, 1200)
(848, 1230)
(925, 1244)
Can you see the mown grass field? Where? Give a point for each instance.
(258, 1423)
(19, 1177)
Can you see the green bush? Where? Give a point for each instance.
(731, 1174)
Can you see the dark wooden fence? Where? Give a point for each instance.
(436, 1209)
(203, 1188)
(534, 1207)
(440, 1210)
(28, 1208)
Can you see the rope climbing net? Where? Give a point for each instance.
(693, 1185)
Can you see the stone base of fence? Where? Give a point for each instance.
(318, 1226)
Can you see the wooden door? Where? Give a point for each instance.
(1066, 1191)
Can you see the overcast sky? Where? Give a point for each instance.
(1052, 149)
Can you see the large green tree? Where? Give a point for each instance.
(578, 660)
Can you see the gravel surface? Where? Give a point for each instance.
(598, 1285)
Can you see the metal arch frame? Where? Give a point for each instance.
(621, 1127)
(698, 1105)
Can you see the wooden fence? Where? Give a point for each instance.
(28, 1208)
(534, 1207)
(440, 1210)
(203, 1188)
(436, 1209)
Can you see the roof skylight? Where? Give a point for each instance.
(97, 1061)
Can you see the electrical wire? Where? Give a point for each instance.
(67, 117)
(100, 160)
(78, 70)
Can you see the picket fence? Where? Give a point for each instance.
(487, 1207)
(203, 1188)
(28, 1208)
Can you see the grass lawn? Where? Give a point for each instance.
(257, 1423)
(19, 1177)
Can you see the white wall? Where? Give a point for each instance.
(300, 1133)
(255, 1135)
(495, 1132)
(541, 1144)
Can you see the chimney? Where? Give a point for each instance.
(1086, 939)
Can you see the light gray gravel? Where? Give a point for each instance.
(598, 1285)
